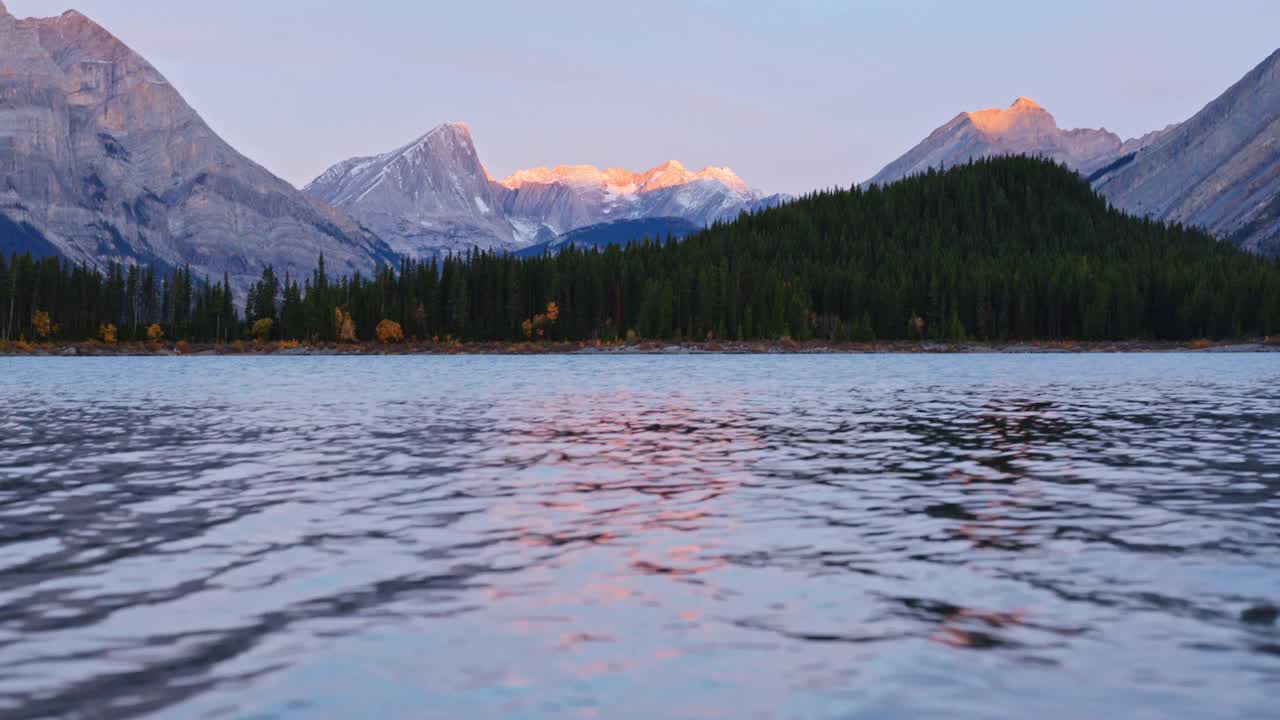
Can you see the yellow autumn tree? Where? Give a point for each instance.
(43, 324)
(262, 329)
(344, 327)
(389, 331)
(107, 333)
(155, 333)
(537, 325)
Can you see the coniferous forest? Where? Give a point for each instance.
(1001, 249)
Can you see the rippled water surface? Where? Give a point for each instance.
(641, 537)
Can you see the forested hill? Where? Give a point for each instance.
(1002, 249)
(1009, 247)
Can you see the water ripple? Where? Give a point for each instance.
(889, 536)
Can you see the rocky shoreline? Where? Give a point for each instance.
(288, 349)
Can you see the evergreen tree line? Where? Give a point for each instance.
(76, 302)
(999, 249)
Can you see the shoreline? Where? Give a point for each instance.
(291, 349)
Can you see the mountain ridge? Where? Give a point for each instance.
(104, 159)
(445, 201)
(1024, 128)
(1219, 170)
(623, 181)
(432, 192)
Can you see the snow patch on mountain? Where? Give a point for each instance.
(434, 195)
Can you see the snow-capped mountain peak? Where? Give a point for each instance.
(432, 193)
(623, 182)
(616, 179)
(435, 195)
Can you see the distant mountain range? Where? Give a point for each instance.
(1220, 170)
(434, 196)
(102, 160)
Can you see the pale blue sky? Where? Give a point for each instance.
(793, 95)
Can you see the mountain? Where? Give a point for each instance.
(1220, 170)
(102, 160)
(430, 195)
(1025, 128)
(1026, 250)
(434, 196)
(568, 197)
(618, 232)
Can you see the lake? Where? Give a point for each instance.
(884, 536)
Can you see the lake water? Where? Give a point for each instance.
(978, 536)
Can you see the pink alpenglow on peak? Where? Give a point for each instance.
(624, 182)
(1024, 128)
(672, 173)
(1024, 110)
(456, 129)
(434, 196)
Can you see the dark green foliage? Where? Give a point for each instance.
(262, 299)
(1002, 249)
(80, 299)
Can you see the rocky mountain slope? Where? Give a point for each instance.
(434, 196)
(1025, 128)
(1220, 170)
(101, 159)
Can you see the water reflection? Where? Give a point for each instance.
(639, 537)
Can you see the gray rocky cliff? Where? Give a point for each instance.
(103, 158)
(431, 195)
(1220, 170)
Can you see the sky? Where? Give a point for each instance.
(792, 94)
